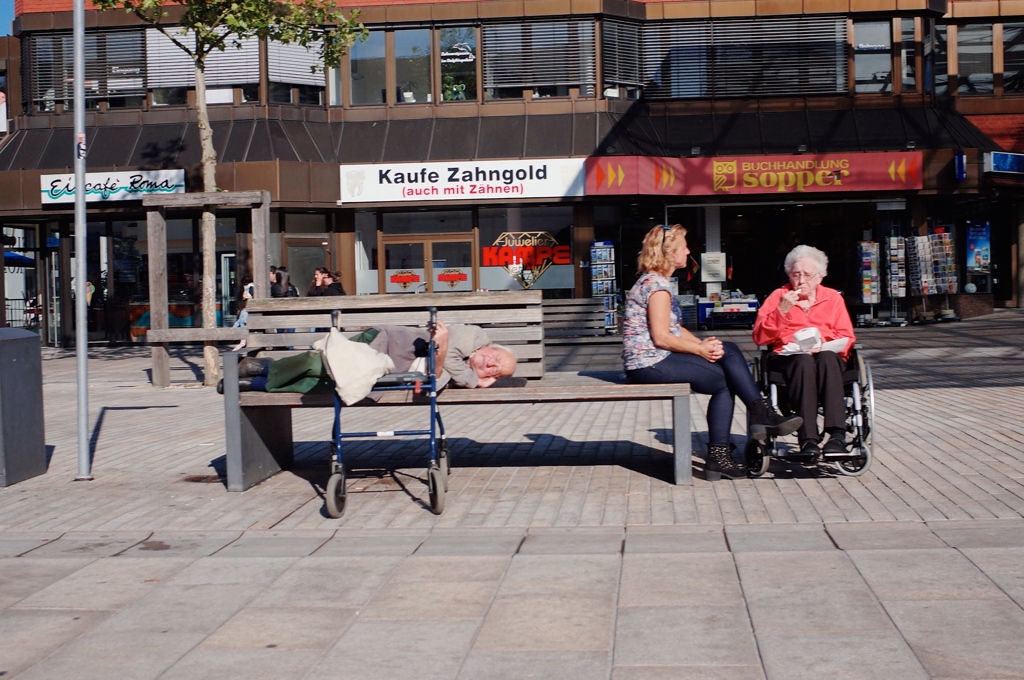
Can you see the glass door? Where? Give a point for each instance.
(404, 268)
(228, 303)
(302, 257)
(428, 263)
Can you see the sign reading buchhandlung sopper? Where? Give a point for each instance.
(735, 175)
(461, 181)
(112, 186)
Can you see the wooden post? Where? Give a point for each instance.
(156, 234)
(156, 224)
(260, 243)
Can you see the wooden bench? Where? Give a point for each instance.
(575, 320)
(258, 425)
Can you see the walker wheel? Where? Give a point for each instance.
(335, 495)
(444, 463)
(756, 458)
(435, 485)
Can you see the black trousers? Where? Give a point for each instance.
(813, 380)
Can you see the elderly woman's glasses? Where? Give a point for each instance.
(806, 276)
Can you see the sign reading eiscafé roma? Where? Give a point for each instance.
(735, 175)
(461, 180)
(112, 186)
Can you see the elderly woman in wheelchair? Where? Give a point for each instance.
(811, 358)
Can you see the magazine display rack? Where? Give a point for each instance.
(603, 280)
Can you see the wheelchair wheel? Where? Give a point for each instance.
(756, 458)
(856, 465)
(864, 424)
(867, 388)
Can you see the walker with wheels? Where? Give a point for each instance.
(438, 468)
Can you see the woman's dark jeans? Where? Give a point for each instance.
(723, 379)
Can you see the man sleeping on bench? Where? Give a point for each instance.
(466, 358)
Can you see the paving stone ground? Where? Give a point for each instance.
(562, 553)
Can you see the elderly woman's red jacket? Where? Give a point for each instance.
(828, 313)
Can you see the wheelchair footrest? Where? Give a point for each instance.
(850, 455)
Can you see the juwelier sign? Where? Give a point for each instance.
(112, 186)
(465, 181)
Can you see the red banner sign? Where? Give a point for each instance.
(735, 175)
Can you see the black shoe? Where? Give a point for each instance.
(808, 453)
(244, 385)
(720, 463)
(836, 445)
(766, 422)
(251, 367)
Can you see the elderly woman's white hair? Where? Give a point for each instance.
(803, 252)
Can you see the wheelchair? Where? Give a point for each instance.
(859, 396)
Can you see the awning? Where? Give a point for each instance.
(17, 260)
(642, 129)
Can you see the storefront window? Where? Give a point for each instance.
(412, 66)
(366, 253)
(1013, 58)
(305, 223)
(872, 56)
(974, 56)
(367, 70)
(428, 222)
(526, 247)
(458, 64)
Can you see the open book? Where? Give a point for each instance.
(808, 340)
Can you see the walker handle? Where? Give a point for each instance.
(432, 323)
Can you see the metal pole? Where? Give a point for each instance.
(81, 318)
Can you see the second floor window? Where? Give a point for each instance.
(974, 57)
(458, 64)
(367, 70)
(546, 58)
(872, 56)
(412, 66)
(115, 70)
(1013, 58)
(725, 58)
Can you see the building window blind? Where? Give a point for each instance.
(115, 66)
(169, 66)
(728, 58)
(780, 56)
(539, 54)
(294, 64)
(675, 60)
(620, 54)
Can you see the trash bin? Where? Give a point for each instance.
(22, 440)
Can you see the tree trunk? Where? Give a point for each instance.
(208, 233)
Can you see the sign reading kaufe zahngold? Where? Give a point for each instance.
(461, 181)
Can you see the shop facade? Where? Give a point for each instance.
(470, 146)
